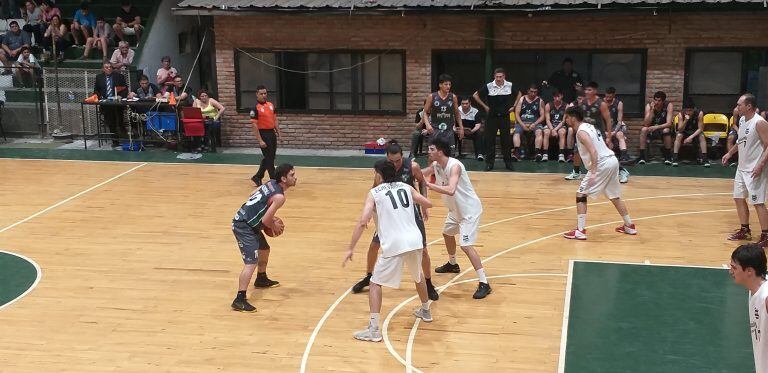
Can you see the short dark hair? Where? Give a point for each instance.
(533, 86)
(13, 23)
(203, 91)
(260, 87)
(499, 70)
(444, 78)
(24, 48)
(661, 95)
(387, 170)
(394, 148)
(749, 99)
(576, 112)
(165, 58)
(688, 103)
(581, 93)
(752, 256)
(610, 90)
(465, 98)
(143, 78)
(101, 18)
(282, 171)
(178, 77)
(592, 85)
(84, 5)
(441, 146)
(557, 92)
(567, 60)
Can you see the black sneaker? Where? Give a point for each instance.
(256, 180)
(362, 284)
(508, 166)
(242, 305)
(448, 268)
(482, 291)
(265, 282)
(488, 167)
(515, 158)
(432, 293)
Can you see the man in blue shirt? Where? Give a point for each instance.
(83, 24)
(13, 42)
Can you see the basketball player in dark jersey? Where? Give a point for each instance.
(247, 225)
(690, 128)
(529, 115)
(555, 113)
(597, 114)
(616, 108)
(657, 124)
(410, 173)
(441, 113)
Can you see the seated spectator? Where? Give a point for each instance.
(166, 73)
(690, 128)
(83, 24)
(212, 111)
(554, 113)
(657, 124)
(48, 10)
(33, 16)
(419, 133)
(55, 35)
(145, 89)
(183, 94)
(529, 113)
(128, 22)
(122, 57)
(103, 39)
(13, 42)
(619, 129)
(27, 68)
(472, 121)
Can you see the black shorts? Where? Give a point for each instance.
(419, 223)
(687, 133)
(249, 241)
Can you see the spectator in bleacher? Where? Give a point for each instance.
(657, 124)
(56, 35)
(128, 22)
(567, 80)
(472, 120)
(419, 133)
(123, 56)
(166, 73)
(13, 41)
(26, 68)
(690, 128)
(48, 10)
(105, 86)
(182, 94)
(554, 113)
(212, 111)
(145, 89)
(529, 115)
(83, 24)
(33, 16)
(103, 39)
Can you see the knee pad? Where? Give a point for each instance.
(582, 199)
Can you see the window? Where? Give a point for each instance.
(324, 82)
(715, 78)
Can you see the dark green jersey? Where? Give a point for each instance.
(253, 210)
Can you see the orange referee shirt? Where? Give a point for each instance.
(265, 116)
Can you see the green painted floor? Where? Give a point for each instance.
(160, 155)
(16, 276)
(646, 319)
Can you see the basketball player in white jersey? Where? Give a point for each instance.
(464, 210)
(748, 269)
(393, 202)
(602, 174)
(751, 175)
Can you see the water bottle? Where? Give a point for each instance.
(71, 96)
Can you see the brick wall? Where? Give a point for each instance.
(665, 37)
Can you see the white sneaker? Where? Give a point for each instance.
(561, 158)
(423, 314)
(573, 176)
(623, 176)
(369, 334)
(545, 158)
(480, 157)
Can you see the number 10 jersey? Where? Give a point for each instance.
(396, 219)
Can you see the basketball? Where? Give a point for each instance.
(269, 232)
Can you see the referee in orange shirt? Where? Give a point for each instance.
(267, 133)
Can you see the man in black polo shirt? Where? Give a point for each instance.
(500, 96)
(567, 80)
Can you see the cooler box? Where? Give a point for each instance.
(372, 147)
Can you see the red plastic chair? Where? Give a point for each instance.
(193, 122)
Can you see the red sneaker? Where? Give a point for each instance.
(576, 234)
(763, 242)
(743, 234)
(627, 229)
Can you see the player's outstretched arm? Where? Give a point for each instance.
(453, 182)
(420, 200)
(275, 202)
(365, 217)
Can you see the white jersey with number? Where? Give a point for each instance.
(396, 219)
(750, 146)
(758, 325)
(597, 141)
(464, 204)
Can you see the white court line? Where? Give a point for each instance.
(566, 318)
(647, 262)
(385, 325)
(322, 320)
(43, 211)
(34, 284)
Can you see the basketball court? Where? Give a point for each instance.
(132, 266)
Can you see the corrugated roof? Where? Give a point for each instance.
(384, 4)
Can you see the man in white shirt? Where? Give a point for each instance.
(748, 269)
(26, 67)
(602, 174)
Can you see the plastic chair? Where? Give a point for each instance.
(192, 119)
(716, 126)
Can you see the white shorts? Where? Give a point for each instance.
(466, 229)
(129, 30)
(607, 181)
(753, 190)
(388, 271)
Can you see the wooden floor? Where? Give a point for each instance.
(138, 274)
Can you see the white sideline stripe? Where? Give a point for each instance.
(566, 318)
(34, 284)
(317, 330)
(43, 211)
(648, 262)
(389, 316)
(311, 341)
